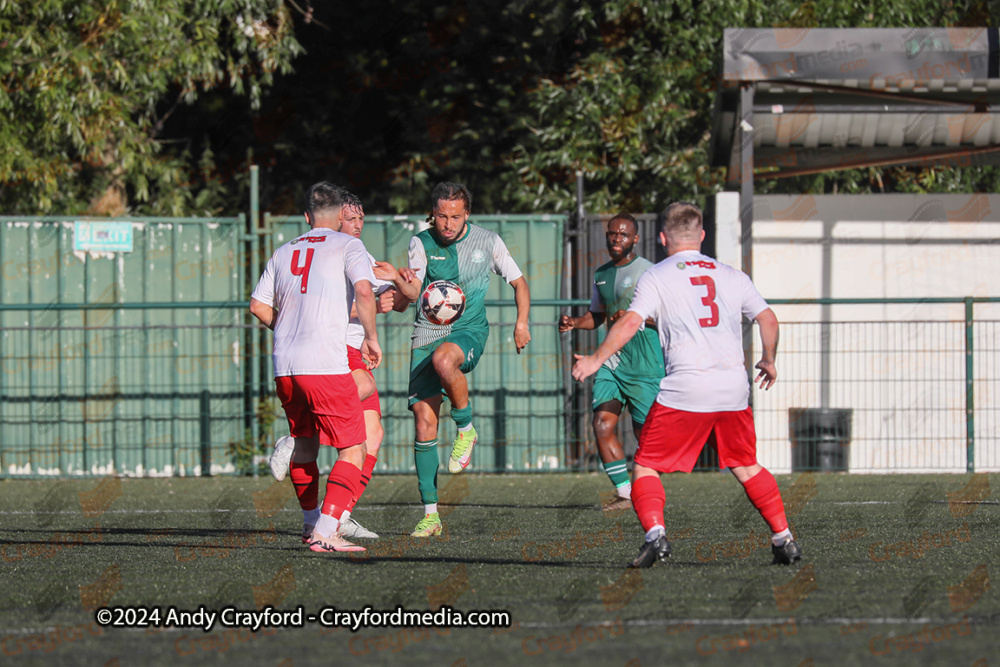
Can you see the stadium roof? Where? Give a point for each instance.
(800, 101)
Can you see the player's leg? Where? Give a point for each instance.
(648, 497)
(639, 395)
(610, 449)
(305, 478)
(425, 401)
(338, 418)
(365, 382)
(448, 360)
(456, 356)
(370, 406)
(736, 441)
(303, 448)
(670, 441)
(373, 441)
(341, 487)
(425, 458)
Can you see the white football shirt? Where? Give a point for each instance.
(356, 332)
(697, 303)
(310, 282)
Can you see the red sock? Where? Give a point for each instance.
(366, 476)
(763, 492)
(341, 487)
(648, 499)
(305, 478)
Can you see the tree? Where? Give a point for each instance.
(634, 112)
(88, 91)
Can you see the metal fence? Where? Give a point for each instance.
(179, 400)
(147, 363)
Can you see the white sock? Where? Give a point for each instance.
(431, 509)
(327, 526)
(655, 532)
(625, 490)
(465, 429)
(310, 517)
(777, 539)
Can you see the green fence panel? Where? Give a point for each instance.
(92, 390)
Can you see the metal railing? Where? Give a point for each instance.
(181, 399)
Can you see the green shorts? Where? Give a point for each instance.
(638, 394)
(424, 380)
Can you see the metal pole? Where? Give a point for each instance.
(970, 393)
(574, 225)
(745, 134)
(205, 403)
(250, 248)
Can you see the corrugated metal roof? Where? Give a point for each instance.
(827, 99)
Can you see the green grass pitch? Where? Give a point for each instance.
(897, 570)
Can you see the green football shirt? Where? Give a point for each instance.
(613, 289)
(468, 262)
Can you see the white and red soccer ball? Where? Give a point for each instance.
(442, 302)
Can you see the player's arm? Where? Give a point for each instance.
(403, 280)
(593, 318)
(412, 274)
(619, 334)
(364, 299)
(768, 323)
(522, 297)
(263, 312)
(587, 321)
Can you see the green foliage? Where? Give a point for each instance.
(634, 113)
(251, 448)
(88, 90)
(157, 108)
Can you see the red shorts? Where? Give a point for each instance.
(671, 439)
(357, 363)
(327, 404)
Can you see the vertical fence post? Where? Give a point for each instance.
(250, 248)
(205, 406)
(499, 429)
(970, 393)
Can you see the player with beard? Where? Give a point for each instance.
(456, 250)
(631, 376)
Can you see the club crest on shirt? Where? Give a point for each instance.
(478, 256)
(681, 265)
(627, 282)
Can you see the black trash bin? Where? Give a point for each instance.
(821, 438)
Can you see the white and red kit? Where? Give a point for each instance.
(698, 304)
(310, 282)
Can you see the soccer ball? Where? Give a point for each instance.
(442, 302)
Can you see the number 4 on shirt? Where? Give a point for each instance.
(304, 269)
(708, 300)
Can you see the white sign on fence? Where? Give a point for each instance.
(102, 236)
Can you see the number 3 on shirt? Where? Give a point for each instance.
(708, 300)
(304, 270)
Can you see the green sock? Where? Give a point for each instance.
(462, 417)
(617, 471)
(425, 456)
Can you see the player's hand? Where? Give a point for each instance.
(385, 271)
(407, 274)
(385, 301)
(614, 318)
(585, 366)
(371, 353)
(768, 374)
(521, 336)
(566, 323)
